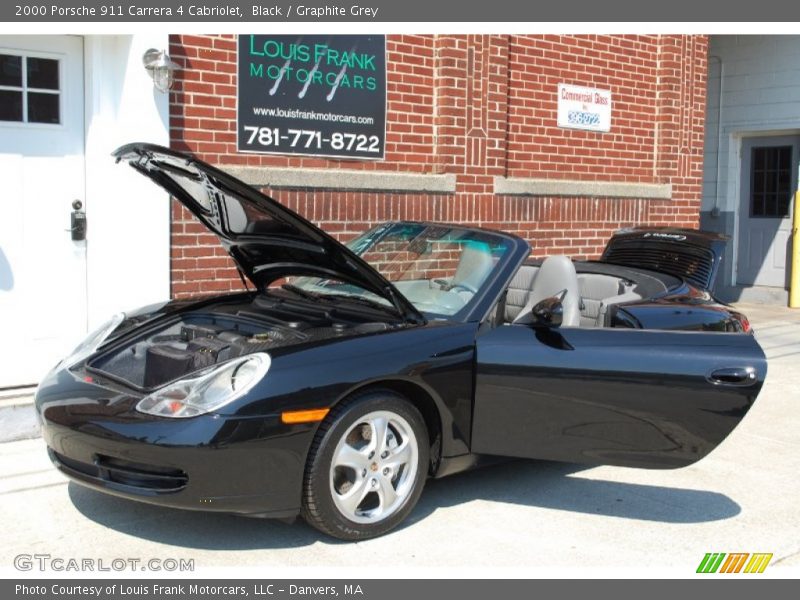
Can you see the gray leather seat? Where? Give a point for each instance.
(598, 292)
(595, 288)
(556, 274)
(518, 291)
(474, 266)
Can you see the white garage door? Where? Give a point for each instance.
(42, 269)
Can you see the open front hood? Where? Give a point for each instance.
(687, 253)
(265, 239)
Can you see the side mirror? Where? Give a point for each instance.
(548, 313)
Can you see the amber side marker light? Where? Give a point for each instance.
(304, 416)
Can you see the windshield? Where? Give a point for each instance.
(440, 269)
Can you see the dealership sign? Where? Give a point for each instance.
(322, 95)
(584, 108)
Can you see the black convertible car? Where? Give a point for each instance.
(344, 376)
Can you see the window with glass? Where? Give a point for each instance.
(30, 89)
(770, 181)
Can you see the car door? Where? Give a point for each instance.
(639, 398)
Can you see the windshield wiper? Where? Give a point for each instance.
(365, 301)
(300, 292)
(327, 298)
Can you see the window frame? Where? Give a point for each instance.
(770, 173)
(60, 92)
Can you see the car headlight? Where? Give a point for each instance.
(92, 342)
(208, 391)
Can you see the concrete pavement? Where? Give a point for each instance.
(17, 419)
(742, 498)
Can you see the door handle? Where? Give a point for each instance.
(734, 376)
(77, 222)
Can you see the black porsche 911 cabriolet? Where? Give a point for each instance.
(350, 374)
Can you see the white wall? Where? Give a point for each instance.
(760, 96)
(128, 216)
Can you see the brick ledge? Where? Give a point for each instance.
(343, 179)
(522, 186)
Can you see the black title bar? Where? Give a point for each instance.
(462, 11)
(366, 589)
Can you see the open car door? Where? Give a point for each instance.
(638, 398)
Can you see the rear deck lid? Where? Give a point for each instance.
(687, 253)
(265, 239)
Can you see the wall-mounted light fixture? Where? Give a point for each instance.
(160, 68)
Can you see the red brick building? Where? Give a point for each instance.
(472, 137)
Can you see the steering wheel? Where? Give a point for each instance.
(463, 286)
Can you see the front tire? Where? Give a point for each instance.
(366, 467)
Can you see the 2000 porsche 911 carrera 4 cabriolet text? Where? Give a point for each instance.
(351, 373)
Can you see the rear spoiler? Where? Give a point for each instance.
(690, 254)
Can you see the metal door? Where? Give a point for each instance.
(769, 178)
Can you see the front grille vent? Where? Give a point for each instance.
(131, 475)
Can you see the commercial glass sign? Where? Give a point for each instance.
(584, 108)
(321, 95)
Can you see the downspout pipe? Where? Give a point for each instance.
(715, 209)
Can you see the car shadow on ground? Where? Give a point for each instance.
(560, 486)
(536, 484)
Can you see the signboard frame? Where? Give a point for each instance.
(575, 112)
(315, 135)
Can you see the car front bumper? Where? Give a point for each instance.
(247, 465)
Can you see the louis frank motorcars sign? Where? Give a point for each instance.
(322, 95)
(584, 108)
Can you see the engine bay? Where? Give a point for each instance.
(200, 339)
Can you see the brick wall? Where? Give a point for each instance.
(479, 107)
